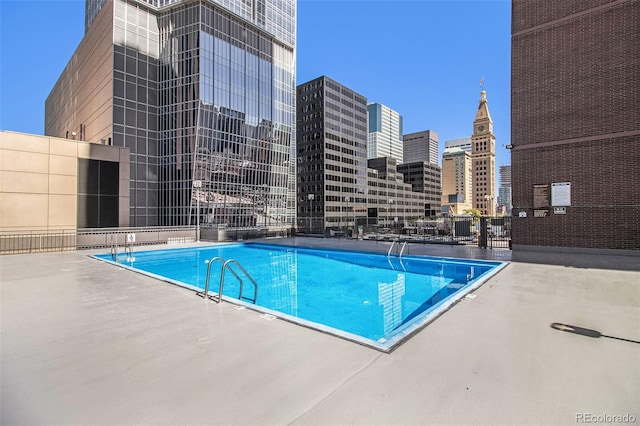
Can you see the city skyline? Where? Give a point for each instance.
(427, 70)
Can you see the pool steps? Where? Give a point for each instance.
(226, 264)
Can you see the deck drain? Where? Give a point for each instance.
(268, 317)
(469, 297)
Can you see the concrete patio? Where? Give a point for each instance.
(84, 342)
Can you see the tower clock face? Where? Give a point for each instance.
(481, 128)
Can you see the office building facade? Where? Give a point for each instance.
(202, 93)
(385, 133)
(338, 189)
(504, 190)
(457, 181)
(331, 155)
(421, 146)
(426, 179)
(575, 130)
(392, 202)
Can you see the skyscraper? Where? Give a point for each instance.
(421, 146)
(338, 188)
(483, 157)
(575, 129)
(385, 133)
(202, 93)
(504, 190)
(332, 155)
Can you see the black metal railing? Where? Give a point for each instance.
(485, 232)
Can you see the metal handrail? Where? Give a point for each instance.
(205, 293)
(402, 249)
(228, 266)
(114, 246)
(391, 248)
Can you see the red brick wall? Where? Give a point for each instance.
(575, 81)
(605, 194)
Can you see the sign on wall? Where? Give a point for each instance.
(561, 194)
(540, 196)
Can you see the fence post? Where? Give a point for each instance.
(482, 240)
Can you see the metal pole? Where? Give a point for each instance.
(310, 213)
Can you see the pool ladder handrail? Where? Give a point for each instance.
(226, 264)
(114, 248)
(404, 245)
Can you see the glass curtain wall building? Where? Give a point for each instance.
(385, 133)
(203, 93)
(226, 120)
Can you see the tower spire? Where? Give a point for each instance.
(483, 108)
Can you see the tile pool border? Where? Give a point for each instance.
(400, 335)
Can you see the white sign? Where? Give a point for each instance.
(559, 210)
(561, 194)
(197, 184)
(522, 214)
(131, 238)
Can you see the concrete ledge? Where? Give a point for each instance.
(578, 257)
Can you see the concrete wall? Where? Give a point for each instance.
(39, 181)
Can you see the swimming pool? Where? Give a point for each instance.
(370, 298)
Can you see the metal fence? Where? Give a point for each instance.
(485, 232)
(61, 240)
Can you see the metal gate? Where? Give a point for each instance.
(495, 232)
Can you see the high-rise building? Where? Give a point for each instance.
(421, 146)
(463, 143)
(457, 181)
(483, 158)
(575, 129)
(202, 93)
(425, 178)
(331, 155)
(392, 201)
(504, 190)
(338, 189)
(385, 132)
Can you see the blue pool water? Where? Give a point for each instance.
(367, 297)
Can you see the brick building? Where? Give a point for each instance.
(575, 129)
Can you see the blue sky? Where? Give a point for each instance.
(422, 58)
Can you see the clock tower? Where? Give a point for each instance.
(483, 159)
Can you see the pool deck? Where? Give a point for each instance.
(84, 342)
